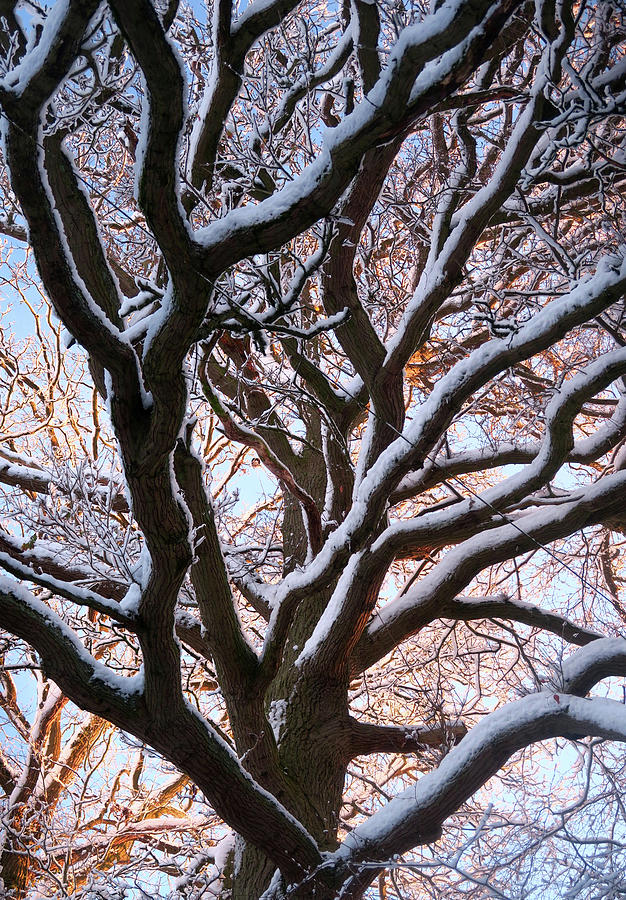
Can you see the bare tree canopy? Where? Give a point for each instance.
(313, 475)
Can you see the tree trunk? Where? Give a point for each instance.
(307, 713)
(14, 871)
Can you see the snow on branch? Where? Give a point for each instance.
(417, 814)
(63, 655)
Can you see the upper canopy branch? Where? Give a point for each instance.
(257, 229)
(231, 43)
(163, 117)
(452, 246)
(402, 616)
(419, 438)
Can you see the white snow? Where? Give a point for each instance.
(143, 131)
(603, 651)
(333, 610)
(277, 717)
(77, 594)
(131, 600)
(33, 61)
(222, 849)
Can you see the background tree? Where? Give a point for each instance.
(376, 254)
(80, 811)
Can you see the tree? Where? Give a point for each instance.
(376, 254)
(80, 810)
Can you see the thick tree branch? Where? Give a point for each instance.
(39, 74)
(584, 450)
(398, 619)
(367, 737)
(89, 683)
(416, 816)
